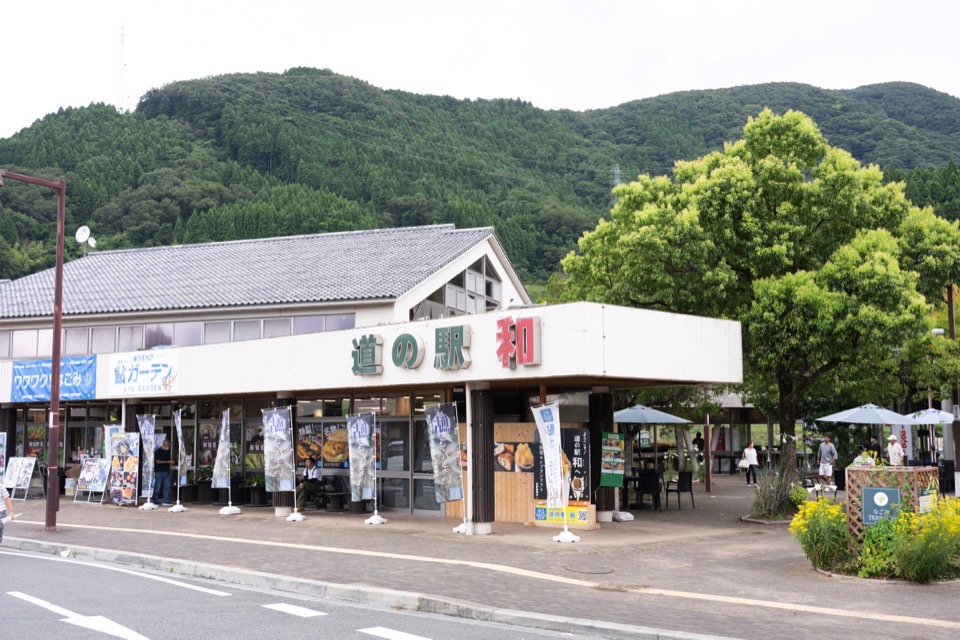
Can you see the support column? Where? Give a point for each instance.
(8, 425)
(481, 461)
(601, 419)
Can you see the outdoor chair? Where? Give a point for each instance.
(649, 485)
(684, 484)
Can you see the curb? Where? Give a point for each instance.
(750, 520)
(358, 594)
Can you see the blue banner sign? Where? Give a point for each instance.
(31, 379)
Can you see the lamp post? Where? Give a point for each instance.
(53, 431)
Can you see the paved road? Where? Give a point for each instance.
(41, 593)
(698, 570)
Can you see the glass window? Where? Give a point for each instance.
(424, 497)
(130, 338)
(216, 332)
(493, 290)
(4, 344)
(186, 334)
(396, 448)
(308, 324)
(246, 330)
(395, 493)
(276, 327)
(44, 343)
(75, 341)
(102, 339)
(422, 462)
(158, 335)
(340, 322)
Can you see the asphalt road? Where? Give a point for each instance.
(42, 593)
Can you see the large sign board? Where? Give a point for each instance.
(879, 503)
(31, 379)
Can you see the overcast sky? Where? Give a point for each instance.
(574, 54)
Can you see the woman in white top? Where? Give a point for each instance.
(6, 509)
(750, 455)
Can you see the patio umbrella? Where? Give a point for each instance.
(867, 414)
(932, 416)
(640, 414)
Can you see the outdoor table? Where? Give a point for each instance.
(730, 455)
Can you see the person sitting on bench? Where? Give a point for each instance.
(310, 485)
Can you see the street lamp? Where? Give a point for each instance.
(53, 432)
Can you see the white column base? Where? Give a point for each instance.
(604, 516)
(282, 512)
(480, 528)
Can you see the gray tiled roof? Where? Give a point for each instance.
(331, 267)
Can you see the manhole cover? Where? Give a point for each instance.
(596, 571)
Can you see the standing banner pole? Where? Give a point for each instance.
(181, 460)
(222, 471)
(376, 518)
(461, 528)
(295, 516)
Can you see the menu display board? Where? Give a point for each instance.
(575, 446)
(612, 460)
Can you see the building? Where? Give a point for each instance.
(388, 321)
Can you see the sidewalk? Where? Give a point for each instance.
(698, 570)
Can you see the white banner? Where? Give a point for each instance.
(548, 426)
(904, 435)
(181, 450)
(3, 452)
(146, 424)
(278, 449)
(221, 466)
(144, 373)
(445, 451)
(362, 444)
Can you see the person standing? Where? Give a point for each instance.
(874, 448)
(826, 456)
(698, 442)
(894, 451)
(6, 513)
(750, 455)
(161, 466)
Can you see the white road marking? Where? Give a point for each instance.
(176, 583)
(293, 609)
(95, 623)
(390, 634)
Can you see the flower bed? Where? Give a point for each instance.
(915, 547)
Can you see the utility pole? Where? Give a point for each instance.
(53, 430)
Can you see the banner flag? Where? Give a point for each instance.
(547, 417)
(278, 465)
(124, 462)
(3, 452)
(108, 432)
(147, 424)
(361, 440)
(181, 450)
(221, 466)
(445, 451)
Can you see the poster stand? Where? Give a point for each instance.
(376, 518)
(91, 476)
(18, 475)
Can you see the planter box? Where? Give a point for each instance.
(204, 491)
(917, 486)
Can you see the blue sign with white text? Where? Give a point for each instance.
(31, 379)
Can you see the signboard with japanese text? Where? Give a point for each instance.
(124, 468)
(575, 463)
(221, 464)
(879, 503)
(310, 442)
(93, 475)
(612, 460)
(445, 451)
(18, 472)
(209, 443)
(577, 513)
(551, 477)
(31, 379)
(927, 498)
(108, 432)
(334, 452)
(144, 373)
(181, 450)
(362, 443)
(36, 441)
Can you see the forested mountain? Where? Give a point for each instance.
(252, 155)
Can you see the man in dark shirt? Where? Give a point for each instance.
(698, 442)
(874, 449)
(161, 464)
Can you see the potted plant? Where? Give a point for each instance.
(256, 491)
(204, 479)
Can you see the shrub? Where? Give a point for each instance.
(821, 529)
(798, 495)
(772, 499)
(880, 549)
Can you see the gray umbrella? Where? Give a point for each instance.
(640, 414)
(932, 416)
(867, 414)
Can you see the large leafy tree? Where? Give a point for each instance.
(824, 263)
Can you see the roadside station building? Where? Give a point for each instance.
(388, 321)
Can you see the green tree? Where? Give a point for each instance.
(792, 237)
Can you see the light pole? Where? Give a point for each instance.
(53, 432)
